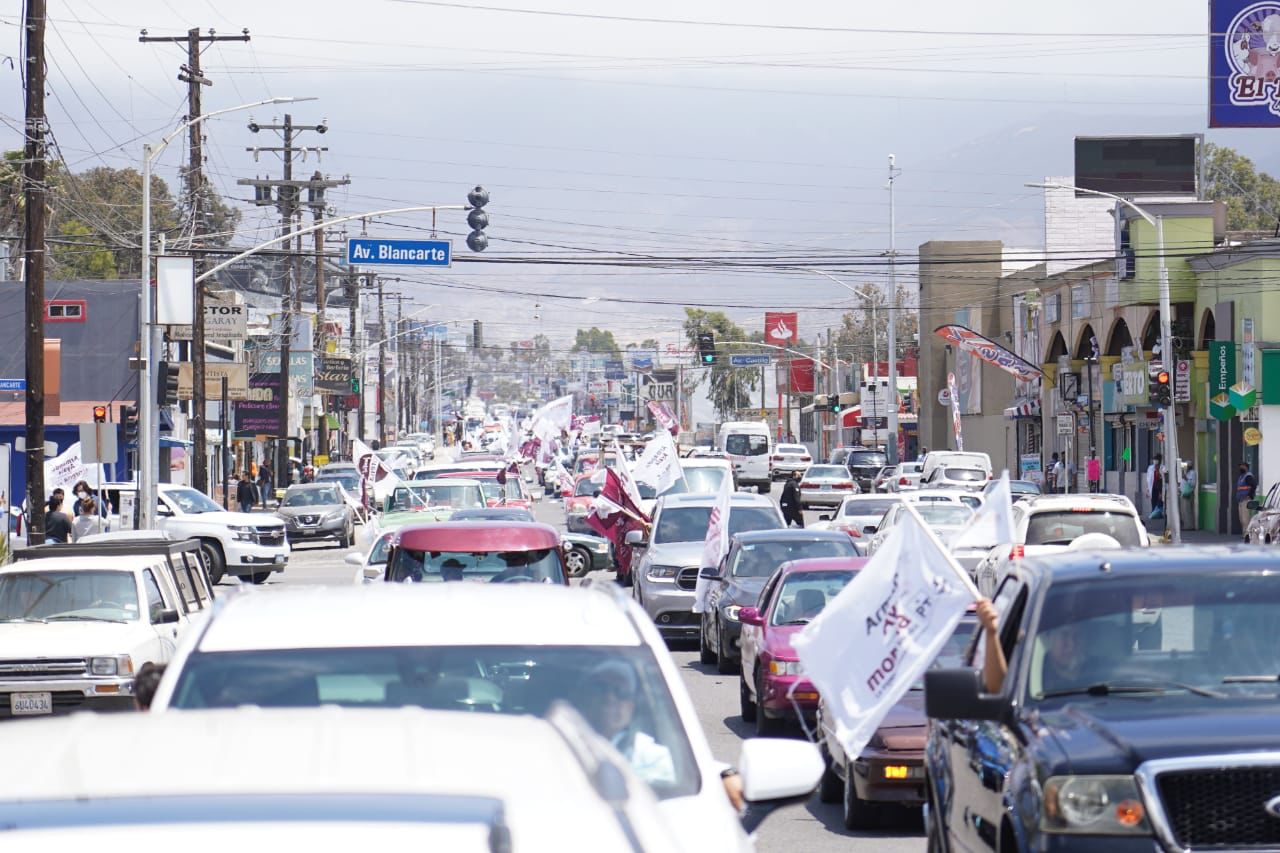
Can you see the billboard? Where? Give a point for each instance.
(1136, 165)
(259, 414)
(781, 328)
(1244, 64)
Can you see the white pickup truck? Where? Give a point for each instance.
(245, 544)
(75, 629)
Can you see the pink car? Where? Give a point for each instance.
(793, 597)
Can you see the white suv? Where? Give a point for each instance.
(499, 649)
(1060, 519)
(246, 544)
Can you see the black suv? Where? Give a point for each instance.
(864, 463)
(1140, 709)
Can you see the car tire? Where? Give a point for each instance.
(766, 726)
(577, 562)
(765, 487)
(831, 787)
(746, 705)
(725, 665)
(214, 560)
(856, 812)
(259, 578)
(706, 656)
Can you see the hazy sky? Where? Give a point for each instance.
(728, 127)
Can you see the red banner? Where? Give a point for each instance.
(802, 376)
(780, 328)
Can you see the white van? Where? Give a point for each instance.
(748, 445)
(975, 467)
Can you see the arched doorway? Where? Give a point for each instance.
(1119, 338)
(1057, 349)
(1087, 343)
(1151, 332)
(1208, 329)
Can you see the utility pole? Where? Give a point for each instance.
(402, 364)
(382, 364)
(315, 200)
(891, 451)
(353, 347)
(191, 75)
(34, 189)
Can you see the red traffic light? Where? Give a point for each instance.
(99, 414)
(1163, 377)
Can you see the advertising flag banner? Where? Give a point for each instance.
(781, 327)
(716, 545)
(376, 479)
(664, 416)
(969, 341)
(883, 630)
(992, 524)
(659, 464)
(801, 376)
(1222, 375)
(955, 410)
(1244, 63)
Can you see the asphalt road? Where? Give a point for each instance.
(812, 826)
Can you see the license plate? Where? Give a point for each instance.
(826, 487)
(30, 704)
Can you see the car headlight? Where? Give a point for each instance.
(116, 665)
(785, 667)
(334, 516)
(663, 572)
(241, 533)
(578, 509)
(731, 612)
(1093, 805)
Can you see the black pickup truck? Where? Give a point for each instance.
(1140, 710)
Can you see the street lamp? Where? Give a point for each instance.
(148, 425)
(1173, 509)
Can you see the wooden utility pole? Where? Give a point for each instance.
(191, 75)
(382, 364)
(34, 188)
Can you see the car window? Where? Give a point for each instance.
(867, 507)
(966, 475)
(793, 449)
(192, 502)
(866, 459)
(1062, 527)
(837, 471)
(619, 690)
(689, 523)
(155, 600)
(761, 559)
(540, 565)
(944, 514)
(585, 487)
(803, 595)
(189, 590)
(698, 479)
(746, 444)
(108, 596)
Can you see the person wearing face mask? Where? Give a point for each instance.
(81, 491)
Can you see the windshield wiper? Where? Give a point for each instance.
(70, 617)
(798, 622)
(1250, 679)
(1104, 688)
(24, 619)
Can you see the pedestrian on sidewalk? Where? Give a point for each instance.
(266, 483)
(1057, 475)
(1187, 493)
(789, 503)
(1155, 486)
(57, 526)
(1246, 490)
(1093, 472)
(245, 493)
(88, 520)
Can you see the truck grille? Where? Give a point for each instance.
(1221, 807)
(270, 535)
(43, 668)
(687, 579)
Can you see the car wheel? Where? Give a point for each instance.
(706, 656)
(857, 812)
(831, 788)
(213, 559)
(260, 578)
(747, 706)
(725, 665)
(765, 487)
(577, 562)
(766, 726)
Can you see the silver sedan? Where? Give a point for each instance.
(826, 486)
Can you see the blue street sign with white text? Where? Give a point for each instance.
(13, 384)
(372, 251)
(749, 360)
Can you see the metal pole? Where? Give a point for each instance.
(382, 366)
(287, 202)
(1172, 503)
(891, 451)
(146, 392)
(222, 463)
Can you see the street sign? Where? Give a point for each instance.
(98, 443)
(1066, 425)
(368, 251)
(224, 320)
(13, 384)
(749, 360)
(1182, 381)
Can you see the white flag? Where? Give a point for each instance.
(558, 413)
(68, 468)
(659, 464)
(623, 470)
(884, 629)
(992, 524)
(716, 545)
(377, 479)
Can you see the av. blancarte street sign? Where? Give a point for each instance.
(375, 251)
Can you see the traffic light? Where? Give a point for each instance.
(478, 219)
(355, 384)
(477, 335)
(707, 347)
(99, 414)
(1161, 390)
(129, 421)
(167, 384)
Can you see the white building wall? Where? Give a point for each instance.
(1077, 231)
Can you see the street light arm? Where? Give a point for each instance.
(1059, 186)
(819, 361)
(164, 143)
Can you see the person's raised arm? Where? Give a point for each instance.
(994, 666)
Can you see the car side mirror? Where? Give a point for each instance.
(355, 558)
(869, 530)
(635, 538)
(1253, 505)
(166, 617)
(750, 616)
(824, 518)
(959, 694)
(709, 574)
(776, 772)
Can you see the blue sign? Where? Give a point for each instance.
(749, 360)
(1244, 63)
(368, 251)
(614, 370)
(612, 401)
(13, 384)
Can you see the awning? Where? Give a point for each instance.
(851, 418)
(1027, 408)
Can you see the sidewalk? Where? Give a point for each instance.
(1194, 537)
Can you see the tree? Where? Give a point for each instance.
(863, 330)
(728, 387)
(593, 340)
(1252, 197)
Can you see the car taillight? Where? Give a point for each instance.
(902, 481)
(776, 458)
(854, 532)
(808, 485)
(1017, 552)
(806, 459)
(844, 485)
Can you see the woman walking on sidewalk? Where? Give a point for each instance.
(245, 493)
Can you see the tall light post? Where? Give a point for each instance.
(148, 423)
(1173, 508)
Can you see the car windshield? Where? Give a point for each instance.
(586, 488)
(437, 494)
(539, 566)
(1062, 527)
(760, 559)
(1199, 632)
(864, 508)
(98, 596)
(746, 444)
(836, 472)
(348, 481)
(620, 690)
(689, 523)
(804, 594)
(191, 502)
(965, 475)
(312, 497)
(793, 449)
(866, 459)
(944, 514)
(493, 514)
(698, 479)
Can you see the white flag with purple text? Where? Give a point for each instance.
(716, 545)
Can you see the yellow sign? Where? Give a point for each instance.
(1253, 436)
(320, 459)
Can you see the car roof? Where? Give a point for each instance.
(1051, 502)
(114, 563)
(795, 534)
(477, 536)
(1171, 560)
(486, 474)
(438, 614)
(701, 499)
(457, 479)
(822, 564)
(706, 462)
(307, 487)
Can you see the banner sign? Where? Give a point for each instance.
(1135, 384)
(224, 320)
(801, 380)
(237, 374)
(259, 413)
(1222, 375)
(781, 327)
(1244, 63)
(614, 370)
(302, 368)
(955, 410)
(664, 416)
(333, 375)
(967, 340)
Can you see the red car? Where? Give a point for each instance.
(511, 493)
(487, 551)
(791, 599)
(577, 502)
